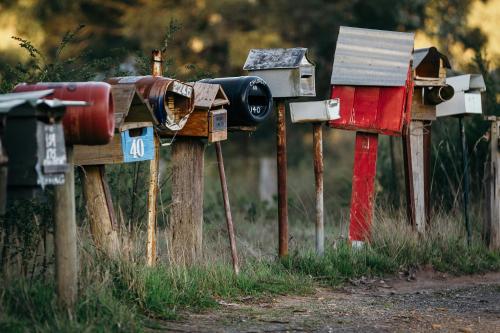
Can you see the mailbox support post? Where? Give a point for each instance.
(318, 176)
(65, 238)
(282, 179)
(152, 199)
(492, 221)
(227, 208)
(365, 165)
(465, 160)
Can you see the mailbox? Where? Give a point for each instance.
(467, 98)
(172, 101)
(288, 72)
(317, 111)
(209, 118)
(250, 99)
(134, 120)
(371, 76)
(90, 125)
(34, 141)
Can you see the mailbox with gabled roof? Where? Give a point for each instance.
(371, 77)
(134, 120)
(288, 72)
(209, 118)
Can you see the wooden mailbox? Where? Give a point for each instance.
(209, 118)
(430, 89)
(134, 121)
(288, 72)
(371, 77)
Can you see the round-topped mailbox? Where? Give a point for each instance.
(86, 125)
(250, 99)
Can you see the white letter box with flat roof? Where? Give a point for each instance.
(467, 98)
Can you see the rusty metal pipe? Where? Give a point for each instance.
(227, 208)
(318, 176)
(282, 179)
(156, 63)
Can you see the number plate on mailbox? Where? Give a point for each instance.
(138, 144)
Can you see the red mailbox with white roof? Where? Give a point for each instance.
(371, 77)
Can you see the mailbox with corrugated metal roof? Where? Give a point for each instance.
(209, 118)
(467, 98)
(34, 141)
(134, 120)
(288, 72)
(371, 77)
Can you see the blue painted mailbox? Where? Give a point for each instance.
(134, 121)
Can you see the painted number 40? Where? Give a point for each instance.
(137, 148)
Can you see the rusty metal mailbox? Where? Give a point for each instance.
(288, 72)
(134, 142)
(34, 141)
(172, 101)
(371, 77)
(250, 100)
(209, 118)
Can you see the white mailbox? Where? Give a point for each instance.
(317, 111)
(467, 98)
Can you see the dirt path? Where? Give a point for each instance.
(430, 302)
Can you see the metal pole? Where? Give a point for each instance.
(227, 208)
(318, 176)
(466, 177)
(282, 176)
(65, 238)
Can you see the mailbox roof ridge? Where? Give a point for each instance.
(277, 58)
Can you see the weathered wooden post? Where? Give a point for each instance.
(491, 228)
(467, 100)
(429, 75)
(317, 113)
(289, 74)
(372, 78)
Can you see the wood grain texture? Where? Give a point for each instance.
(154, 166)
(420, 111)
(492, 221)
(416, 137)
(97, 155)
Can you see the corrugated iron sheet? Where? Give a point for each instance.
(366, 57)
(274, 58)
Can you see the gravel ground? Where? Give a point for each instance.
(427, 301)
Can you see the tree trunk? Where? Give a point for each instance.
(100, 212)
(186, 218)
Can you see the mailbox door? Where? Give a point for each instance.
(138, 144)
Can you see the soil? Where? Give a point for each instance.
(424, 301)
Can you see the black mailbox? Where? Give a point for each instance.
(34, 142)
(250, 99)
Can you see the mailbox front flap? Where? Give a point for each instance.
(317, 111)
(366, 57)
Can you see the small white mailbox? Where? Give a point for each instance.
(467, 98)
(316, 111)
(288, 72)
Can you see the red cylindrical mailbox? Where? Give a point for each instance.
(86, 125)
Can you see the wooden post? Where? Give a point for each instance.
(363, 192)
(185, 231)
(282, 179)
(465, 160)
(156, 70)
(65, 239)
(492, 221)
(415, 174)
(227, 208)
(100, 211)
(318, 176)
(154, 166)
